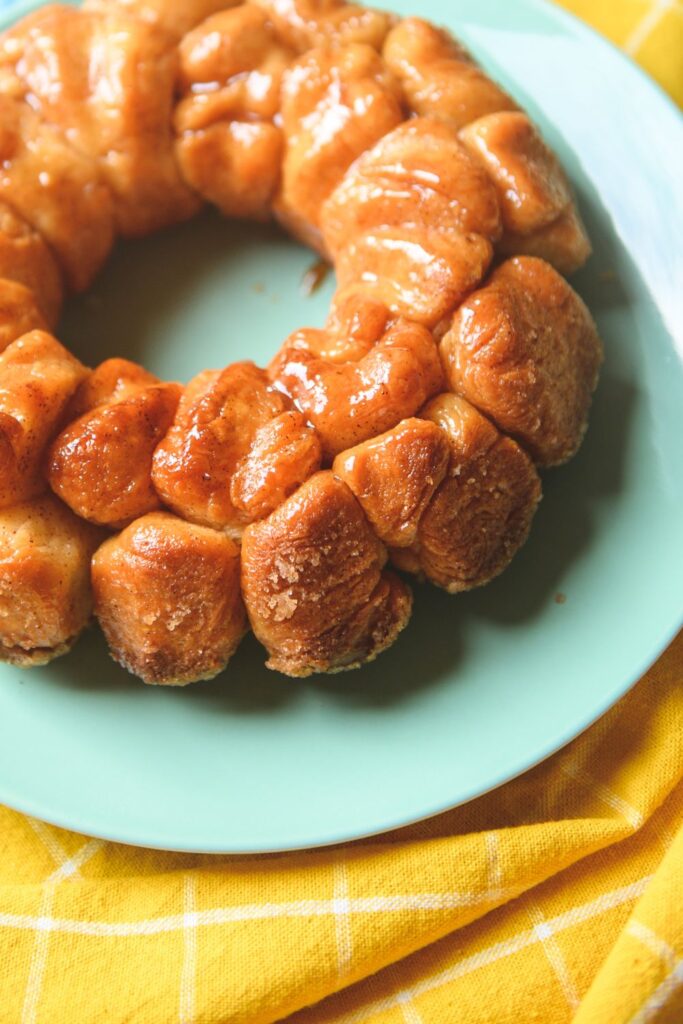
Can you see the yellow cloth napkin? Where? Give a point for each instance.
(557, 898)
(650, 31)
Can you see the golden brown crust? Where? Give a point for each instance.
(37, 378)
(230, 68)
(418, 176)
(170, 16)
(57, 190)
(564, 243)
(167, 595)
(336, 102)
(439, 76)
(101, 463)
(45, 595)
(312, 580)
(418, 273)
(106, 80)
(215, 426)
(524, 349)
(234, 165)
(228, 149)
(351, 402)
(19, 312)
(481, 512)
(24, 257)
(539, 215)
(355, 323)
(394, 477)
(303, 24)
(413, 222)
(283, 454)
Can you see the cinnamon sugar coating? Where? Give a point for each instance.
(45, 593)
(167, 595)
(349, 402)
(314, 586)
(482, 510)
(37, 378)
(100, 465)
(525, 350)
(394, 477)
(440, 78)
(19, 312)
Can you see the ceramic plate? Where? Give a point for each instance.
(479, 687)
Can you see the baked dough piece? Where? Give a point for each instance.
(24, 257)
(220, 419)
(313, 584)
(413, 222)
(57, 190)
(539, 214)
(303, 24)
(106, 81)
(167, 595)
(524, 349)
(37, 378)
(418, 273)
(394, 477)
(355, 323)
(417, 176)
(19, 312)
(101, 463)
(562, 243)
(439, 77)
(228, 148)
(481, 512)
(336, 102)
(175, 17)
(349, 402)
(45, 594)
(284, 452)
(231, 67)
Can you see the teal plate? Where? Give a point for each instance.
(479, 687)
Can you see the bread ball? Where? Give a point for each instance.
(167, 595)
(336, 102)
(45, 593)
(106, 81)
(350, 402)
(539, 214)
(439, 76)
(394, 477)
(25, 258)
(219, 422)
(100, 465)
(482, 510)
(525, 350)
(37, 378)
(313, 584)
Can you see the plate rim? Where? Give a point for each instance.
(35, 808)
